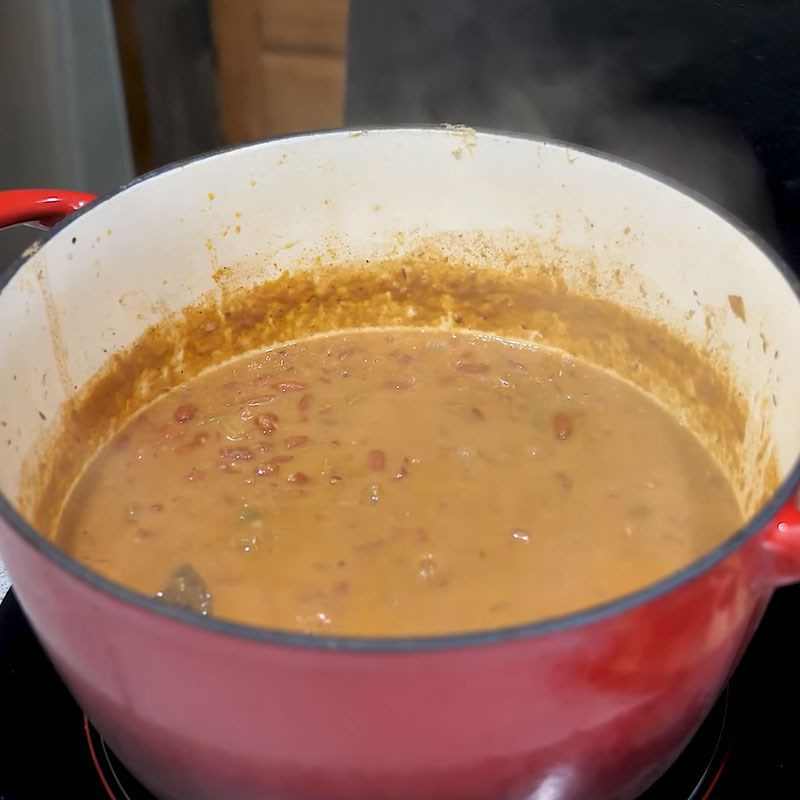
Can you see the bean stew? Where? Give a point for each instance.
(392, 482)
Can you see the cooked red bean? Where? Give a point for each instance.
(371, 546)
(305, 403)
(296, 441)
(194, 475)
(281, 459)
(185, 413)
(478, 414)
(427, 566)
(263, 400)
(471, 368)
(376, 459)
(289, 386)
(562, 426)
(265, 423)
(300, 478)
(564, 480)
(236, 453)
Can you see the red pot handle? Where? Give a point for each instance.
(39, 208)
(782, 543)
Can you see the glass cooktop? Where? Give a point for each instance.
(747, 748)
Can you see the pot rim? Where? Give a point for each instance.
(756, 524)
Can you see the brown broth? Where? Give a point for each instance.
(395, 482)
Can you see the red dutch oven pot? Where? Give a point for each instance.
(592, 705)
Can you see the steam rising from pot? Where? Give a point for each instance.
(593, 73)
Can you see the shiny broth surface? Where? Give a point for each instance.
(396, 482)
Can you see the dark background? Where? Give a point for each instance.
(707, 92)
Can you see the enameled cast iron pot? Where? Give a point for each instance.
(593, 705)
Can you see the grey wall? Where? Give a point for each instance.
(62, 110)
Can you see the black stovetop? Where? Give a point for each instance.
(749, 747)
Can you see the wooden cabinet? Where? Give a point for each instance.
(281, 65)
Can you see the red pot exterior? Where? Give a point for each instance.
(598, 710)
